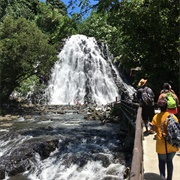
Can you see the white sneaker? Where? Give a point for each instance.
(162, 177)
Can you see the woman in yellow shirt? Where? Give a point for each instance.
(163, 158)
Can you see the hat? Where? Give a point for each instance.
(142, 82)
(162, 103)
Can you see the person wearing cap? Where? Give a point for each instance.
(147, 110)
(156, 125)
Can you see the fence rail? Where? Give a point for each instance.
(137, 165)
(132, 113)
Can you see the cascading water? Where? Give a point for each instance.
(83, 73)
(78, 149)
(85, 150)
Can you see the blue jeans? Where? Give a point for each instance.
(166, 160)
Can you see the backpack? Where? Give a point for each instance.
(146, 97)
(171, 101)
(173, 131)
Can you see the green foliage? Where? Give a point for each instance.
(57, 5)
(84, 7)
(27, 85)
(3, 5)
(139, 33)
(115, 110)
(153, 43)
(24, 51)
(147, 36)
(54, 23)
(96, 26)
(20, 8)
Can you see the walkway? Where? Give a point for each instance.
(151, 171)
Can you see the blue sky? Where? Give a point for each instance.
(76, 9)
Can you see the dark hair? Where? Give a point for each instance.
(162, 104)
(166, 86)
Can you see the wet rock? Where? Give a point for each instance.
(103, 158)
(80, 158)
(28, 117)
(113, 169)
(16, 167)
(128, 144)
(94, 114)
(6, 125)
(19, 160)
(8, 117)
(2, 171)
(45, 148)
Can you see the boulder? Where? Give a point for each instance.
(19, 160)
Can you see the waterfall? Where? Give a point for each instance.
(83, 73)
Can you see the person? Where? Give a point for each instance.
(147, 110)
(164, 90)
(167, 89)
(163, 158)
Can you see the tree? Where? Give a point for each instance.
(24, 51)
(150, 32)
(57, 5)
(55, 22)
(147, 37)
(20, 8)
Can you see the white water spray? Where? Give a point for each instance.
(84, 73)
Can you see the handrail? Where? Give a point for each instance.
(129, 110)
(137, 166)
(132, 112)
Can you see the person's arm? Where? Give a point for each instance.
(152, 127)
(161, 96)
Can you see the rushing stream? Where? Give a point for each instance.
(87, 150)
(55, 146)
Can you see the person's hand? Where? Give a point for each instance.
(152, 127)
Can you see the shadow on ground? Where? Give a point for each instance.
(150, 176)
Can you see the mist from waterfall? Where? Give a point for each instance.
(83, 73)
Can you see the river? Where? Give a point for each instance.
(87, 149)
